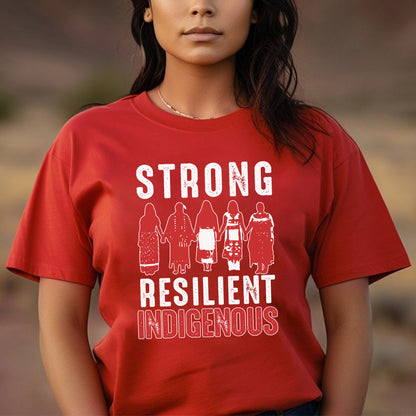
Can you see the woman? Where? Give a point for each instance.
(261, 240)
(233, 229)
(148, 242)
(180, 234)
(216, 90)
(206, 230)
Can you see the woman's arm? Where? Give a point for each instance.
(66, 354)
(347, 314)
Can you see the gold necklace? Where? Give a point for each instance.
(171, 107)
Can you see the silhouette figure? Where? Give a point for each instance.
(261, 239)
(233, 227)
(180, 234)
(148, 241)
(207, 232)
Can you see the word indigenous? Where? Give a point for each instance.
(213, 320)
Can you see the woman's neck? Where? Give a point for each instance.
(196, 91)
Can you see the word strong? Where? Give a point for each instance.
(214, 179)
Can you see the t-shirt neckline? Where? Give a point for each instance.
(148, 109)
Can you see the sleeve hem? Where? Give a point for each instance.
(48, 271)
(374, 272)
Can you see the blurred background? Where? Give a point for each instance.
(356, 59)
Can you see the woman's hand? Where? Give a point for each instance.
(66, 354)
(347, 314)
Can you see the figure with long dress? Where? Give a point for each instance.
(234, 231)
(180, 234)
(207, 232)
(261, 239)
(148, 241)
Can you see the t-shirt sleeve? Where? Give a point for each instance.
(52, 239)
(357, 237)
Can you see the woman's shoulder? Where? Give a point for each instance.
(88, 127)
(329, 134)
(96, 114)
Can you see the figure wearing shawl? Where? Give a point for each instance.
(234, 231)
(148, 241)
(261, 239)
(180, 234)
(207, 233)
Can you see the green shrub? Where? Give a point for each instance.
(100, 87)
(7, 106)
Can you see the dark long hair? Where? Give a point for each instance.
(265, 75)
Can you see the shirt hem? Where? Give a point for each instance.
(374, 272)
(34, 273)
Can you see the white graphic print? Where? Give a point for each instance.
(261, 240)
(157, 320)
(189, 180)
(148, 241)
(209, 305)
(193, 181)
(263, 185)
(213, 188)
(233, 229)
(166, 168)
(238, 178)
(207, 232)
(180, 234)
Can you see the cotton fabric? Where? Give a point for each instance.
(200, 326)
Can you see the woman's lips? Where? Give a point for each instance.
(202, 34)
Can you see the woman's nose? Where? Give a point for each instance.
(203, 8)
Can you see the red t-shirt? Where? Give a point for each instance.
(203, 238)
